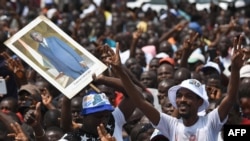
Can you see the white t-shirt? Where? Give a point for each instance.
(206, 128)
(119, 122)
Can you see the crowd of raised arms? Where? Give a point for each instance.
(179, 74)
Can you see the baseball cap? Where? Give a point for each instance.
(94, 102)
(167, 60)
(245, 71)
(31, 89)
(193, 58)
(212, 65)
(195, 27)
(192, 85)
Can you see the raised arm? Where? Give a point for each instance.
(132, 91)
(232, 91)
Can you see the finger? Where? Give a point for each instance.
(14, 128)
(38, 109)
(18, 127)
(239, 46)
(11, 135)
(195, 37)
(235, 45)
(99, 132)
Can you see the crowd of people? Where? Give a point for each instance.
(177, 74)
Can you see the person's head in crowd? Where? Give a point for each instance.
(51, 118)
(167, 60)
(96, 109)
(155, 42)
(9, 104)
(167, 107)
(148, 96)
(163, 88)
(4, 129)
(142, 41)
(117, 23)
(151, 30)
(213, 87)
(211, 68)
(65, 23)
(195, 27)
(224, 46)
(99, 29)
(58, 101)
(124, 40)
(134, 67)
(130, 26)
(142, 132)
(140, 56)
(28, 96)
(198, 76)
(149, 79)
(245, 80)
(151, 25)
(54, 133)
(244, 99)
(83, 30)
(181, 74)
(84, 41)
(165, 71)
(109, 91)
(166, 47)
(76, 107)
(195, 60)
(133, 120)
(163, 100)
(154, 64)
(189, 98)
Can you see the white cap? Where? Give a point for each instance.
(161, 55)
(192, 85)
(211, 64)
(194, 57)
(245, 71)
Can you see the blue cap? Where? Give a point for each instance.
(95, 102)
(195, 26)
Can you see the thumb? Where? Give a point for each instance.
(38, 108)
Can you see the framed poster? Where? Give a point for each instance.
(55, 55)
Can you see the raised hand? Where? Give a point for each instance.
(103, 135)
(33, 117)
(47, 99)
(105, 52)
(19, 134)
(137, 34)
(238, 54)
(115, 60)
(15, 65)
